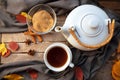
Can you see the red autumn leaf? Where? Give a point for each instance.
(78, 73)
(7, 53)
(21, 18)
(33, 74)
(13, 45)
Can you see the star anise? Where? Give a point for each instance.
(31, 52)
(28, 42)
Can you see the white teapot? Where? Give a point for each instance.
(87, 27)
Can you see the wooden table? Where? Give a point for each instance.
(21, 54)
(39, 47)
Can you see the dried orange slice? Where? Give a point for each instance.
(116, 70)
(116, 77)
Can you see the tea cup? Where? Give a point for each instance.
(58, 57)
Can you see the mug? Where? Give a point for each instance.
(58, 57)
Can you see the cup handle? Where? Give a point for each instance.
(71, 65)
(46, 71)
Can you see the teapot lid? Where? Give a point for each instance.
(90, 22)
(91, 25)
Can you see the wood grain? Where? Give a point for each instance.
(22, 57)
(39, 47)
(20, 37)
(21, 53)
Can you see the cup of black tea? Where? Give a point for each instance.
(58, 57)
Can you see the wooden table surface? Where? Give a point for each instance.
(21, 53)
(39, 47)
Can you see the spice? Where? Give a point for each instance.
(39, 38)
(31, 52)
(28, 42)
(33, 35)
(42, 21)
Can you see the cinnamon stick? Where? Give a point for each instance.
(32, 36)
(30, 33)
(33, 39)
(39, 38)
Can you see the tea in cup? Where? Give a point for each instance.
(58, 57)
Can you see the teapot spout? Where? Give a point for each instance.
(58, 29)
(63, 30)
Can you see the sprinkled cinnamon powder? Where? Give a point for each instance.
(42, 21)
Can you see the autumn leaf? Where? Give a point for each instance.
(3, 49)
(7, 53)
(13, 45)
(13, 77)
(26, 15)
(33, 74)
(21, 18)
(78, 73)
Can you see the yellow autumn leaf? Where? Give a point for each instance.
(3, 49)
(13, 77)
(2, 45)
(26, 15)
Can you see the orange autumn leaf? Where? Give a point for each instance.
(116, 77)
(13, 77)
(116, 70)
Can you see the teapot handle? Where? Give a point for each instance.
(110, 31)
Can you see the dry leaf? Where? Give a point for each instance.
(13, 77)
(21, 18)
(26, 15)
(33, 74)
(7, 53)
(13, 45)
(3, 49)
(78, 73)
